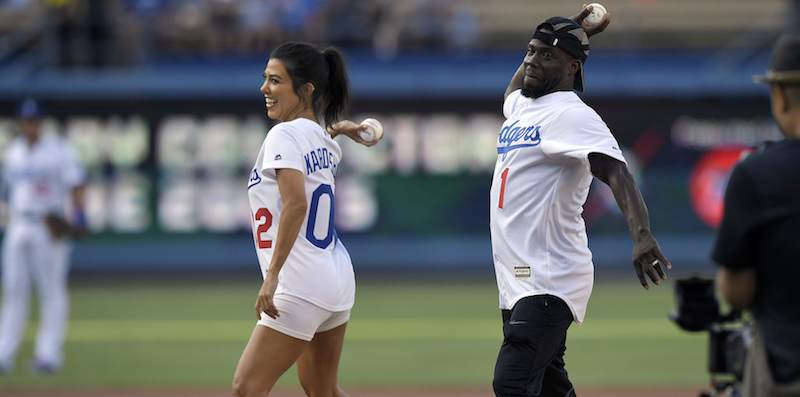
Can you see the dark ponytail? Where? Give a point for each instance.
(337, 96)
(326, 70)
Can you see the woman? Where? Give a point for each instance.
(304, 303)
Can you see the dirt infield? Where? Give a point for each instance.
(659, 391)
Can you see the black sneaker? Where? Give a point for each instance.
(44, 368)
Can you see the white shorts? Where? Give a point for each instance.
(301, 319)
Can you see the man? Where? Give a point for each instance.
(549, 149)
(758, 243)
(39, 173)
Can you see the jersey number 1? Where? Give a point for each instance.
(504, 177)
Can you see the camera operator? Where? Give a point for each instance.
(758, 244)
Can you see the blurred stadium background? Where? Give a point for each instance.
(161, 100)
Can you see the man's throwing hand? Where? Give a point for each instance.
(591, 30)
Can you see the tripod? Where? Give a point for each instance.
(724, 388)
(726, 357)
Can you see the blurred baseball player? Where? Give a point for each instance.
(40, 173)
(549, 149)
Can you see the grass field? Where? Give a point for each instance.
(189, 334)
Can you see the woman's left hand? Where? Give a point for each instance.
(350, 129)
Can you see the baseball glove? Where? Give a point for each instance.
(59, 227)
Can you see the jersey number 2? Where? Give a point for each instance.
(504, 177)
(266, 216)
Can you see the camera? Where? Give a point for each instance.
(698, 310)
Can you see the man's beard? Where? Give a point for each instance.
(529, 91)
(545, 87)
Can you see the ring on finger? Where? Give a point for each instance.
(655, 262)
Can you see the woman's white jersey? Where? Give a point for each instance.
(318, 268)
(541, 181)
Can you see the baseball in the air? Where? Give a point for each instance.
(373, 132)
(598, 11)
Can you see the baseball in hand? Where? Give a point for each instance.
(597, 14)
(373, 132)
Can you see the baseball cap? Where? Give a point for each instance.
(569, 37)
(31, 108)
(785, 64)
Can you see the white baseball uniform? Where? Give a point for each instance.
(318, 268)
(38, 180)
(541, 181)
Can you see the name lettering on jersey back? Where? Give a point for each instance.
(321, 159)
(517, 137)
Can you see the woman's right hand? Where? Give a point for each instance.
(264, 302)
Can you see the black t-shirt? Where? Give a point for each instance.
(760, 230)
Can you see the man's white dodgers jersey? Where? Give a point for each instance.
(541, 181)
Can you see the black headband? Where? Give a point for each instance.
(566, 35)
